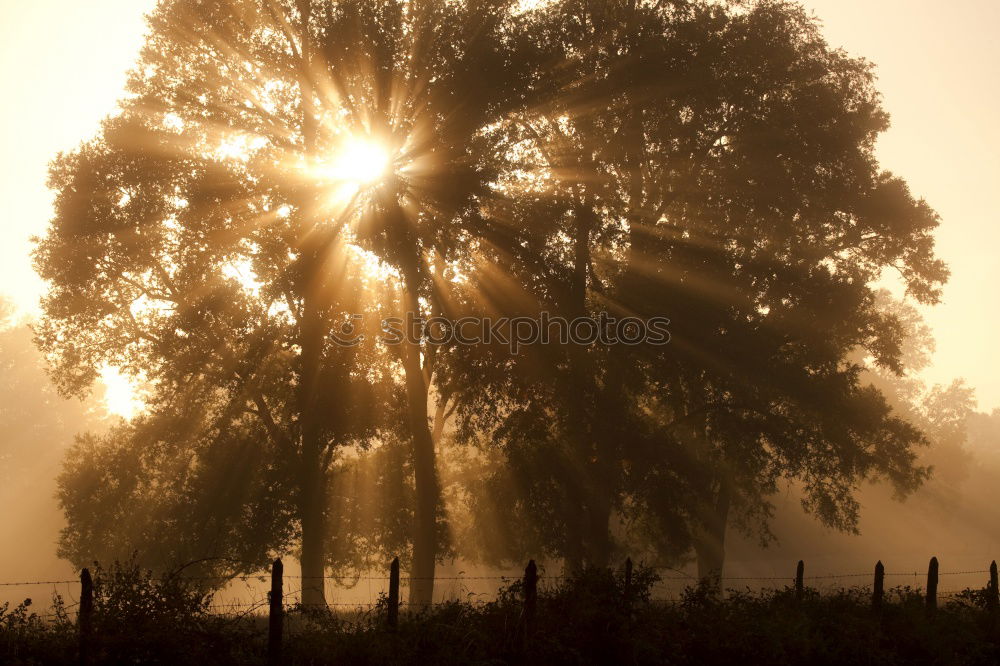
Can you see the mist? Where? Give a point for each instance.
(379, 322)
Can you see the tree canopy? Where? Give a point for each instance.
(282, 170)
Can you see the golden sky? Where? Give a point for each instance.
(63, 62)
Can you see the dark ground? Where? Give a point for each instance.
(139, 620)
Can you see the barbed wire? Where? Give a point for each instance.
(940, 573)
(504, 577)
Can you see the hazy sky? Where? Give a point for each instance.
(62, 66)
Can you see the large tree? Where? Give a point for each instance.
(715, 164)
(216, 234)
(281, 165)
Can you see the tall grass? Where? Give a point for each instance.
(139, 619)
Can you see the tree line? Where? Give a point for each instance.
(708, 162)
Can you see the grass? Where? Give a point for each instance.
(584, 620)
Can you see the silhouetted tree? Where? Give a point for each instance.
(715, 166)
(197, 244)
(210, 236)
(708, 162)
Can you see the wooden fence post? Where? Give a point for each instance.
(392, 613)
(276, 614)
(799, 571)
(530, 597)
(993, 592)
(932, 583)
(878, 589)
(628, 583)
(86, 617)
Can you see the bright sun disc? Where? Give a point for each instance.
(360, 161)
(120, 395)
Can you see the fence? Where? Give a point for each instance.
(276, 597)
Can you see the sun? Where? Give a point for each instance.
(359, 161)
(121, 397)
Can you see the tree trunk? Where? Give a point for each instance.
(587, 428)
(312, 499)
(711, 553)
(312, 475)
(710, 545)
(424, 458)
(312, 513)
(599, 541)
(313, 491)
(440, 417)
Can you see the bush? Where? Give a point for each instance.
(139, 619)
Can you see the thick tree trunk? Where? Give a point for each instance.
(424, 458)
(588, 430)
(313, 489)
(313, 496)
(710, 546)
(599, 541)
(711, 553)
(312, 512)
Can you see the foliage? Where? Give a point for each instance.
(168, 489)
(581, 620)
(711, 162)
(715, 165)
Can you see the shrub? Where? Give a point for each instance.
(584, 619)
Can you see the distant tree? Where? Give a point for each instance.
(37, 428)
(982, 471)
(941, 412)
(36, 421)
(984, 436)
